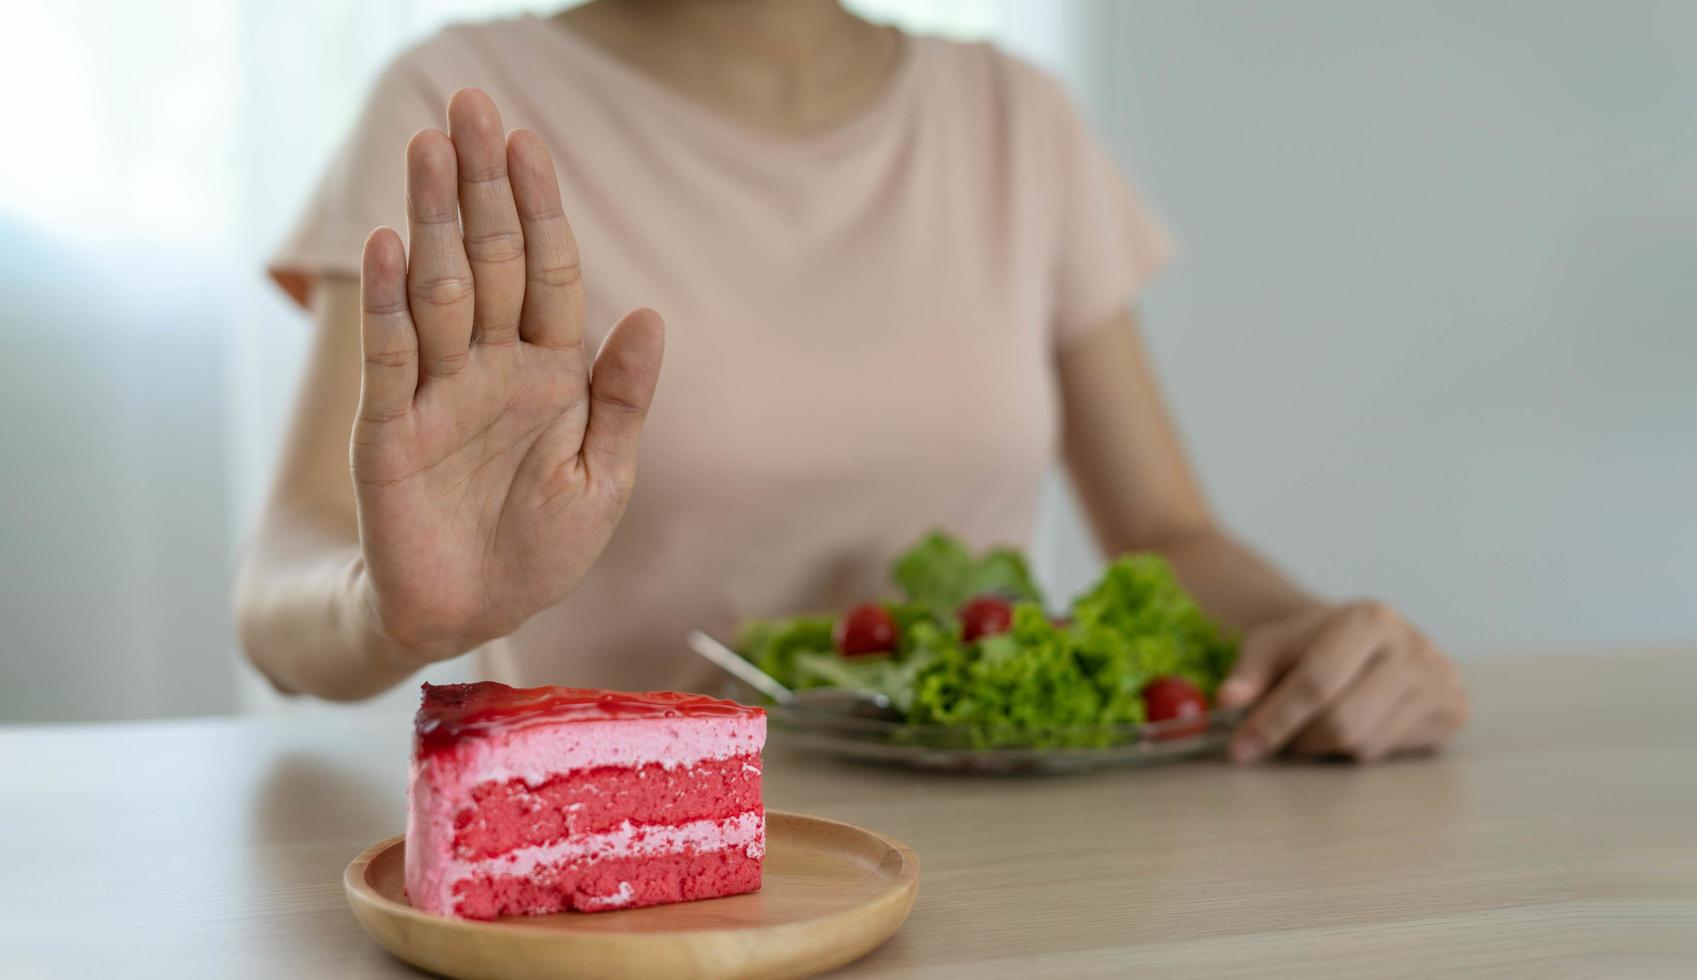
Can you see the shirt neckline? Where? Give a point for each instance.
(642, 85)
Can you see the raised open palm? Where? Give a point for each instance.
(491, 461)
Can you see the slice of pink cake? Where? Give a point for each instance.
(526, 802)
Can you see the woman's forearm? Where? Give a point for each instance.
(1234, 584)
(302, 600)
(306, 620)
(1138, 489)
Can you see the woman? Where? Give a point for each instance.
(898, 275)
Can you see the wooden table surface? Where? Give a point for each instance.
(1557, 837)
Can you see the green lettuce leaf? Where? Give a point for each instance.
(1138, 623)
(1027, 686)
(891, 675)
(773, 645)
(940, 574)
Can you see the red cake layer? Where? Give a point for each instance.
(508, 815)
(451, 713)
(608, 884)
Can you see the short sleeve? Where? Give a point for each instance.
(364, 186)
(1109, 242)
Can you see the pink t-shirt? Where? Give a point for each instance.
(860, 324)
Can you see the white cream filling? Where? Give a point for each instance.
(619, 898)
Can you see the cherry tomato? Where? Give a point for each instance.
(985, 616)
(1171, 698)
(867, 628)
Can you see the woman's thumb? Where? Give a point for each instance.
(1261, 658)
(621, 388)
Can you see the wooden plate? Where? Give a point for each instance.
(831, 893)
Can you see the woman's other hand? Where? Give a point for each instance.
(1354, 680)
(491, 460)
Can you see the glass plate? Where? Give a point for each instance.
(957, 749)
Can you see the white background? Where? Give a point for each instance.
(1431, 333)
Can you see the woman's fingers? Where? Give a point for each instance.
(1435, 708)
(621, 388)
(1264, 655)
(1339, 651)
(1395, 731)
(553, 292)
(439, 282)
(494, 241)
(1350, 724)
(387, 340)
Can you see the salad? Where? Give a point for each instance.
(970, 643)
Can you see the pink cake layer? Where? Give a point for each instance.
(538, 754)
(513, 814)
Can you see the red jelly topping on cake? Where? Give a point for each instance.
(451, 713)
